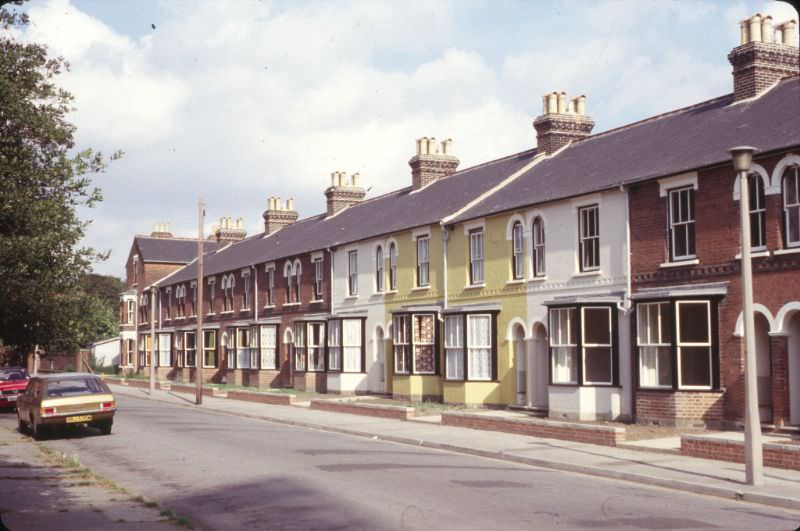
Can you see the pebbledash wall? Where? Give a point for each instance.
(713, 275)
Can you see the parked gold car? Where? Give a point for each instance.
(65, 399)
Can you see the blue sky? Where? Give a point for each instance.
(242, 100)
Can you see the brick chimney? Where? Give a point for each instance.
(559, 125)
(161, 230)
(765, 55)
(229, 230)
(276, 216)
(343, 192)
(431, 162)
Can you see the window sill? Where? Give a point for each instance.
(537, 279)
(394, 291)
(421, 288)
(210, 314)
(290, 304)
(229, 312)
(790, 250)
(592, 273)
(475, 286)
(269, 306)
(515, 281)
(316, 301)
(680, 263)
(351, 297)
(244, 310)
(754, 254)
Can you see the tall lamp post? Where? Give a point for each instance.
(754, 470)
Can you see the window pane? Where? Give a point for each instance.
(565, 364)
(597, 326)
(479, 343)
(351, 339)
(694, 325)
(695, 366)
(597, 365)
(424, 354)
(455, 363)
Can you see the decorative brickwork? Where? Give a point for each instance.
(427, 168)
(758, 65)
(554, 131)
(276, 218)
(341, 197)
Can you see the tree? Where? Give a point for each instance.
(44, 180)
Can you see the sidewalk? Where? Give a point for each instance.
(700, 476)
(54, 492)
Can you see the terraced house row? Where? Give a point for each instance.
(595, 276)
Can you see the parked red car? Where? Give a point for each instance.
(13, 381)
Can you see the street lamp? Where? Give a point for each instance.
(754, 471)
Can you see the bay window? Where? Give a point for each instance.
(209, 348)
(676, 344)
(582, 348)
(189, 349)
(401, 343)
(454, 347)
(335, 345)
(424, 343)
(164, 350)
(470, 350)
(268, 346)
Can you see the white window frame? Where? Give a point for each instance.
(246, 291)
(758, 212)
(267, 350)
(654, 340)
(193, 307)
(454, 350)
(300, 346)
(186, 350)
(679, 345)
(423, 261)
(473, 346)
(538, 254)
(168, 294)
(687, 221)
(380, 271)
(209, 348)
(212, 295)
(517, 251)
(791, 205)
(609, 346)
(348, 348)
(318, 279)
(352, 273)
(164, 351)
(402, 335)
(560, 338)
(588, 241)
(392, 266)
(334, 340)
(319, 347)
(476, 254)
(270, 272)
(131, 311)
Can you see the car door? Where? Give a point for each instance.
(24, 400)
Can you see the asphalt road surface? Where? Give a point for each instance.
(227, 472)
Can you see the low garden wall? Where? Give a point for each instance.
(775, 455)
(385, 411)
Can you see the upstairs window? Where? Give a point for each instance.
(791, 206)
(423, 261)
(681, 224)
(352, 273)
(270, 291)
(758, 228)
(130, 311)
(476, 257)
(318, 277)
(392, 267)
(169, 303)
(180, 297)
(517, 260)
(228, 283)
(379, 270)
(212, 295)
(589, 238)
(194, 299)
(538, 248)
(246, 291)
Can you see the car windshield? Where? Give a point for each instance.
(11, 376)
(74, 387)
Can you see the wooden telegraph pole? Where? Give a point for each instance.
(199, 343)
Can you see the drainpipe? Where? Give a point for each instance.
(255, 293)
(331, 291)
(445, 237)
(153, 292)
(627, 301)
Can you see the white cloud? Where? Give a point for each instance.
(239, 101)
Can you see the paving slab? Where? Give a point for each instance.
(678, 472)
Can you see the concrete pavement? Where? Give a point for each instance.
(700, 476)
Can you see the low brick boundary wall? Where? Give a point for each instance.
(278, 399)
(549, 429)
(191, 389)
(775, 455)
(385, 411)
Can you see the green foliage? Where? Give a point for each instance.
(42, 300)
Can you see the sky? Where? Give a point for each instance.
(240, 100)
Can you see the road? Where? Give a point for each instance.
(228, 472)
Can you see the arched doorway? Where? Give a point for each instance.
(380, 357)
(538, 374)
(793, 327)
(521, 361)
(763, 368)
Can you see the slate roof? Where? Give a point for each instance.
(399, 210)
(668, 144)
(170, 250)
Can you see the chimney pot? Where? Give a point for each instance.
(789, 32)
(552, 103)
(562, 103)
(424, 145)
(354, 179)
(755, 28)
(766, 29)
(290, 204)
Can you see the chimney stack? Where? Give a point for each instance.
(342, 192)
(229, 230)
(558, 124)
(276, 216)
(433, 161)
(161, 230)
(761, 60)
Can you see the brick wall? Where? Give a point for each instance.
(686, 408)
(774, 455)
(370, 410)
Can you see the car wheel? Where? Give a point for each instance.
(105, 427)
(37, 430)
(21, 425)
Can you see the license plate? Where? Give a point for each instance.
(79, 418)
